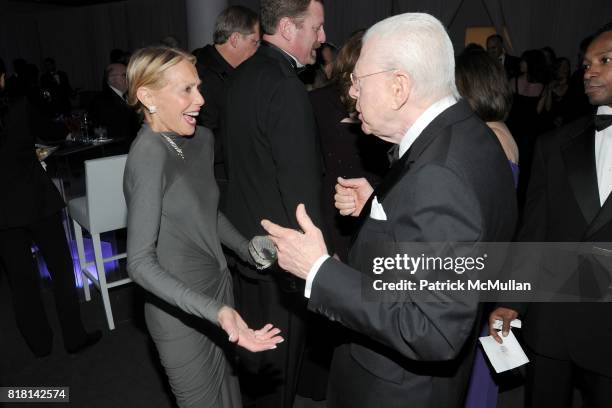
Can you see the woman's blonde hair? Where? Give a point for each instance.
(147, 67)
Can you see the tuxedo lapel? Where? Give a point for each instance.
(401, 167)
(579, 158)
(603, 217)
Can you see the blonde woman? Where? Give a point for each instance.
(175, 233)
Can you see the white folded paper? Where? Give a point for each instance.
(515, 323)
(506, 356)
(377, 212)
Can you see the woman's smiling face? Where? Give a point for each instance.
(178, 102)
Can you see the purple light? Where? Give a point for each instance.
(107, 251)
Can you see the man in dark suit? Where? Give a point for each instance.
(56, 83)
(451, 183)
(497, 51)
(110, 109)
(568, 201)
(236, 38)
(274, 163)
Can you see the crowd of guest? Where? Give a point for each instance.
(238, 131)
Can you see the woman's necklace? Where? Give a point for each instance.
(171, 142)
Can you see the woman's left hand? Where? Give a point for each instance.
(239, 332)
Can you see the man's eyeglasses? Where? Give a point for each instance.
(254, 41)
(355, 79)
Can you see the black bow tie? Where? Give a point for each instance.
(602, 121)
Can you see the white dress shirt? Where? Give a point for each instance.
(603, 157)
(115, 90)
(411, 135)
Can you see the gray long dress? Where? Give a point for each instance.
(174, 252)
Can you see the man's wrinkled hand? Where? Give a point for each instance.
(351, 195)
(297, 251)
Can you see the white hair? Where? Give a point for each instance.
(418, 44)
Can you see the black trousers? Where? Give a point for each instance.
(16, 257)
(550, 383)
(269, 379)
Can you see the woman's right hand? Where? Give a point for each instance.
(351, 195)
(239, 332)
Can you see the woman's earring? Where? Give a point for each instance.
(152, 109)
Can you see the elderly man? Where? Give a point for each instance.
(236, 39)
(110, 109)
(568, 201)
(450, 183)
(274, 163)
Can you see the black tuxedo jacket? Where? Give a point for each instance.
(28, 194)
(110, 110)
(60, 91)
(455, 185)
(272, 155)
(563, 205)
(215, 73)
(512, 66)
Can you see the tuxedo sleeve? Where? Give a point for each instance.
(291, 129)
(439, 208)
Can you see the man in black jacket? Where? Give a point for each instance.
(450, 182)
(568, 201)
(236, 38)
(496, 50)
(56, 83)
(110, 109)
(274, 163)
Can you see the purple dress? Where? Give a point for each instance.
(482, 391)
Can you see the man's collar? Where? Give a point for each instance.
(298, 64)
(115, 90)
(222, 64)
(292, 60)
(422, 121)
(604, 110)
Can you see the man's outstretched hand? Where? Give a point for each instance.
(297, 251)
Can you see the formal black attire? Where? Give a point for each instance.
(58, 86)
(214, 72)
(347, 152)
(512, 66)
(525, 124)
(453, 185)
(30, 213)
(563, 205)
(110, 110)
(274, 163)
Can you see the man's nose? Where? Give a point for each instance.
(590, 72)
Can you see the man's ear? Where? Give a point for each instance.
(286, 28)
(233, 39)
(401, 88)
(2, 80)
